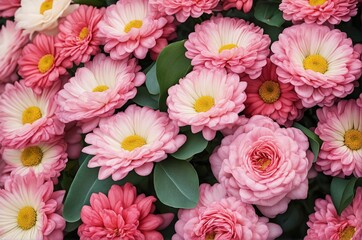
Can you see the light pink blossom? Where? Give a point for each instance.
(245, 5)
(8, 7)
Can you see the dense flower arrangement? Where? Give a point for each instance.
(182, 120)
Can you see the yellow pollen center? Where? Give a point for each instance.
(27, 218)
(31, 156)
(46, 5)
(45, 63)
(204, 104)
(132, 142)
(100, 88)
(83, 33)
(353, 139)
(210, 236)
(227, 47)
(316, 63)
(133, 24)
(31, 114)
(264, 163)
(269, 91)
(347, 233)
(316, 2)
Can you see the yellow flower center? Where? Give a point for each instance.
(133, 24)
(45, 63)
(31, 114)
(132, 142)
(347, 233)
(210, 236)
(269, 91)
(316, 63)
(46, 5)
(31, 156)
(100, 88)
(83, 33)
(27, 218)
(204, 104)
(227, 47)
(263, 163)
(316, 2)
(353, 139)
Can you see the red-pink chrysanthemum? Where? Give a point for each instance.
(319, 62)
(41, 65)
(267, 96)
(79, 37)
(318, 11)
(8, 7)
(340, 128)
(246, 5)
(218, 216)
(325, 223)
(122, 215)
(234, 44)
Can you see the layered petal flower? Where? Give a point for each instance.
(245, 5)
(8, 7)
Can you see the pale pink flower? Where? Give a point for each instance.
(132, 140)
(220, 217)
(340, 128)
(74, 140)
(264, 164)
(318, 11)
(184, 9)
(27, 118)
(97, 89)
(40, 64)
(326, 224)
(267, 96)
(29, 209)
(122, 215)
(321, 63)
(207, 100)
(246, 5)
(234, 44)
(8, 7)
(129, 27)
(79, 37)
(4, 174)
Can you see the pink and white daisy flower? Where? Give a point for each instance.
(132, 140)
(245, 5)
(318, 11)
(234, 44)
(130, 27)
(78, 36)
(8, 7)
(267, 96)
(264, 164)
(207, 100)
(27, 118)
(218, 216)
(340, 128)
(41, 65)
(97, 89)
(321, 63)
(29, 209)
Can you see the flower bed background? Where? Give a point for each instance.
(137, 119)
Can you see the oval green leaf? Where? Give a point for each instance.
(176, 183)
(194, 144)
(144, 98)
(314, 141)
(342, 192)
(151, 80)
(269, 13)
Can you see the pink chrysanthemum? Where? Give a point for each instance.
(218, 216)
(321, 63)
(97, 89)
(40, 64)
(78, 36)
(318, 11)
(8, 7)
(74, 140)
(29, 209)
(230, 43)
(12, 41)
(246, 5)
(207, 100)
(27, 118)
(267, 96)
(340, 128)
(129, 27)
(326, 224)
(184, 9)
(133, 139)
(359, 100)
(122, 215)
(264, 164)
(4, 174)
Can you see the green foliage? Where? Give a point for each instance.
(151, 80)
(314, 141)
(144, 98)
(269, 13)
(96, 3)
(194, 144)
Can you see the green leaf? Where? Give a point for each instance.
(96, 3)
(314, 141)
(144, 98)
(171, 65)
(342, 192)
(176, 183)
(151, 80)
(70, 227)
(269, 13)
(194, 144)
